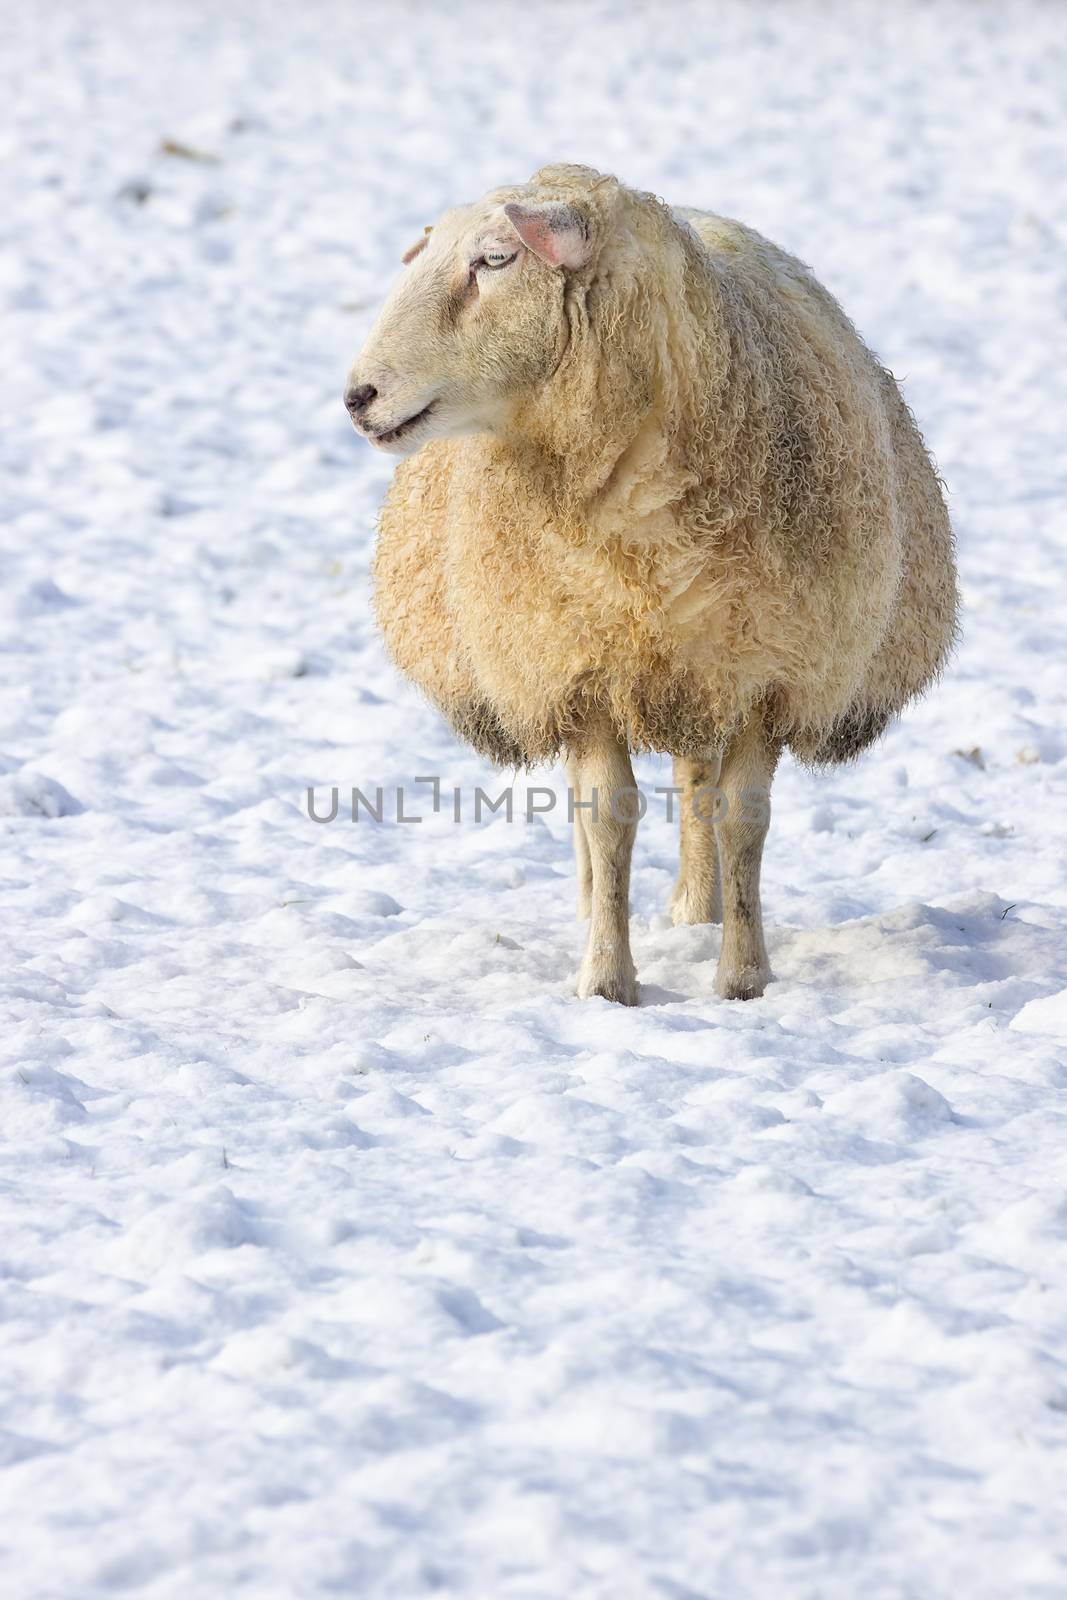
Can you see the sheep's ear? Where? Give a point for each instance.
(557, 233)
(420, 244)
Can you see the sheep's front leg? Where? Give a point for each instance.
(582, 860)
(748, 768)
(696, 896)
(605, 784)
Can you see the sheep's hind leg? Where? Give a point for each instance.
(748, 768)
(605, 784)
(697, 896)
(582, 860)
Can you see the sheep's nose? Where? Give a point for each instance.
(358, 400)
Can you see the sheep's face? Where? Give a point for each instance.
(475, 322)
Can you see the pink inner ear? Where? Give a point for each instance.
(556, 233)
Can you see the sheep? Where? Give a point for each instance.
(656, 495)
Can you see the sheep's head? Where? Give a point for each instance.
(478, 318)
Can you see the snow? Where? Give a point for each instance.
(344, 1252)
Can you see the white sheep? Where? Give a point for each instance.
(658, 495)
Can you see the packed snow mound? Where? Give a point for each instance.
(1044, 1016)
(31, 794)
(891, 1105)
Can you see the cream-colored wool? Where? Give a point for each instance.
(684, 497)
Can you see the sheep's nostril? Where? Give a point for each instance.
(358, 400)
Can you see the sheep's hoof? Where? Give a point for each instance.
(690, 907)
(745, 983)
(607, 982)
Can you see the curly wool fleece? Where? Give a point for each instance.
(717, 505)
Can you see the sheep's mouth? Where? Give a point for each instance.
(392, 435)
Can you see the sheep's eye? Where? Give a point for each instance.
(495, 259)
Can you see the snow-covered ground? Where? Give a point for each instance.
(343, 1251)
